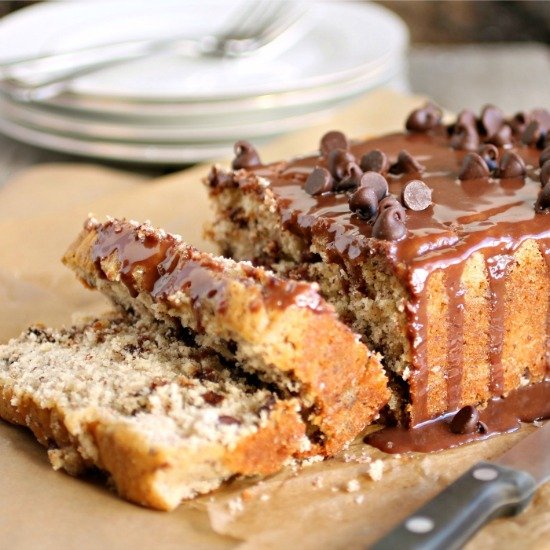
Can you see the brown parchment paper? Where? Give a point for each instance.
(332, 504)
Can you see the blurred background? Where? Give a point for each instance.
(460, 53)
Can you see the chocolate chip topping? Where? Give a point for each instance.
(473, 167)
(406, 164)
(351, 179)
(333, 140)
(416, 195)
(226, 419)
(364, 203)
(511, 165)
(426, 118)
(338, 160)
(543, 202)
(212, 398)
(545, 173)
(246, 156)
(391, 202)
(467, 117)
(533, 134)
(489, 153)
(519, 122)
(465, 421)
(376, 182)
(319, 181)
(502, 137)
(375, 161)
(390, 224)
(465, 137)
(544, 157)
(491, 120)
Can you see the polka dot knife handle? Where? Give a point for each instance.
(484, 492)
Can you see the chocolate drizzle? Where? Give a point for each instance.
(502, 415)
(491, 216)
(147, 261)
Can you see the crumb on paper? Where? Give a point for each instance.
(317, 482)
(376, 470)
(359, 499)
(352, 486)
(235, 505)
(312, 460)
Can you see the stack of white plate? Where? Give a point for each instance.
(172, 109)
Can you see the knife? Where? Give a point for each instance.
(487, 491)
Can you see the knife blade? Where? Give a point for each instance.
(488, 490)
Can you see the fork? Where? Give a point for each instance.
(257, 24)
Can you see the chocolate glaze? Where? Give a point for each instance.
(502, 415)
(165, 266)
(488, 215)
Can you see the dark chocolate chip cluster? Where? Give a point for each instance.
(468, 132)
(487, 161)
(366, 185)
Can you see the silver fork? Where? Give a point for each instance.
(256, 25)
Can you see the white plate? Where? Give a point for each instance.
(345, 40)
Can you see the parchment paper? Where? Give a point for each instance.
(333, 504)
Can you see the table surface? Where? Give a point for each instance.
(512, 76)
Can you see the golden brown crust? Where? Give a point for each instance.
(340, 383)
(152, 475)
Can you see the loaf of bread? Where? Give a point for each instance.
(433, 244)
(165, 418)
(281, 331)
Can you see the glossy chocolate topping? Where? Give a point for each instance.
(502, 415)
(491, 215)
(152, 261)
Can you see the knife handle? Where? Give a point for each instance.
(484, 492)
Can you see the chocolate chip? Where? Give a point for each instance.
(226, 419)
(212, 398)
(543, 200)
(390, 224)
(473, 167)
(364, 203)
(544, 157)
(482, 427)
(376, 182)
(465, 421)
(519, 122)
(545, 173)
(491, 120)
(375, 161)
(511, 165)
(465, 137)
(319, 181)
(542, 116)
(533, 134)
(333, 140)
(424, 119)
(406, 164)
(502, 137)
(467, 117)
(246, 156)
(391, 202)
(351, 179)
(338, 160)
(416, 195)
(489, 153)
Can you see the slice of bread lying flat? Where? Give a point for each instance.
(166, 419)
(281, 331)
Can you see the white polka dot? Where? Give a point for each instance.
(419, 524)
(485, 474)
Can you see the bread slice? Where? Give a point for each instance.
(281, 330)
(164, 418)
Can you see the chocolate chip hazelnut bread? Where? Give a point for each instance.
(433, 244)
(166, 419)
(281, 331)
